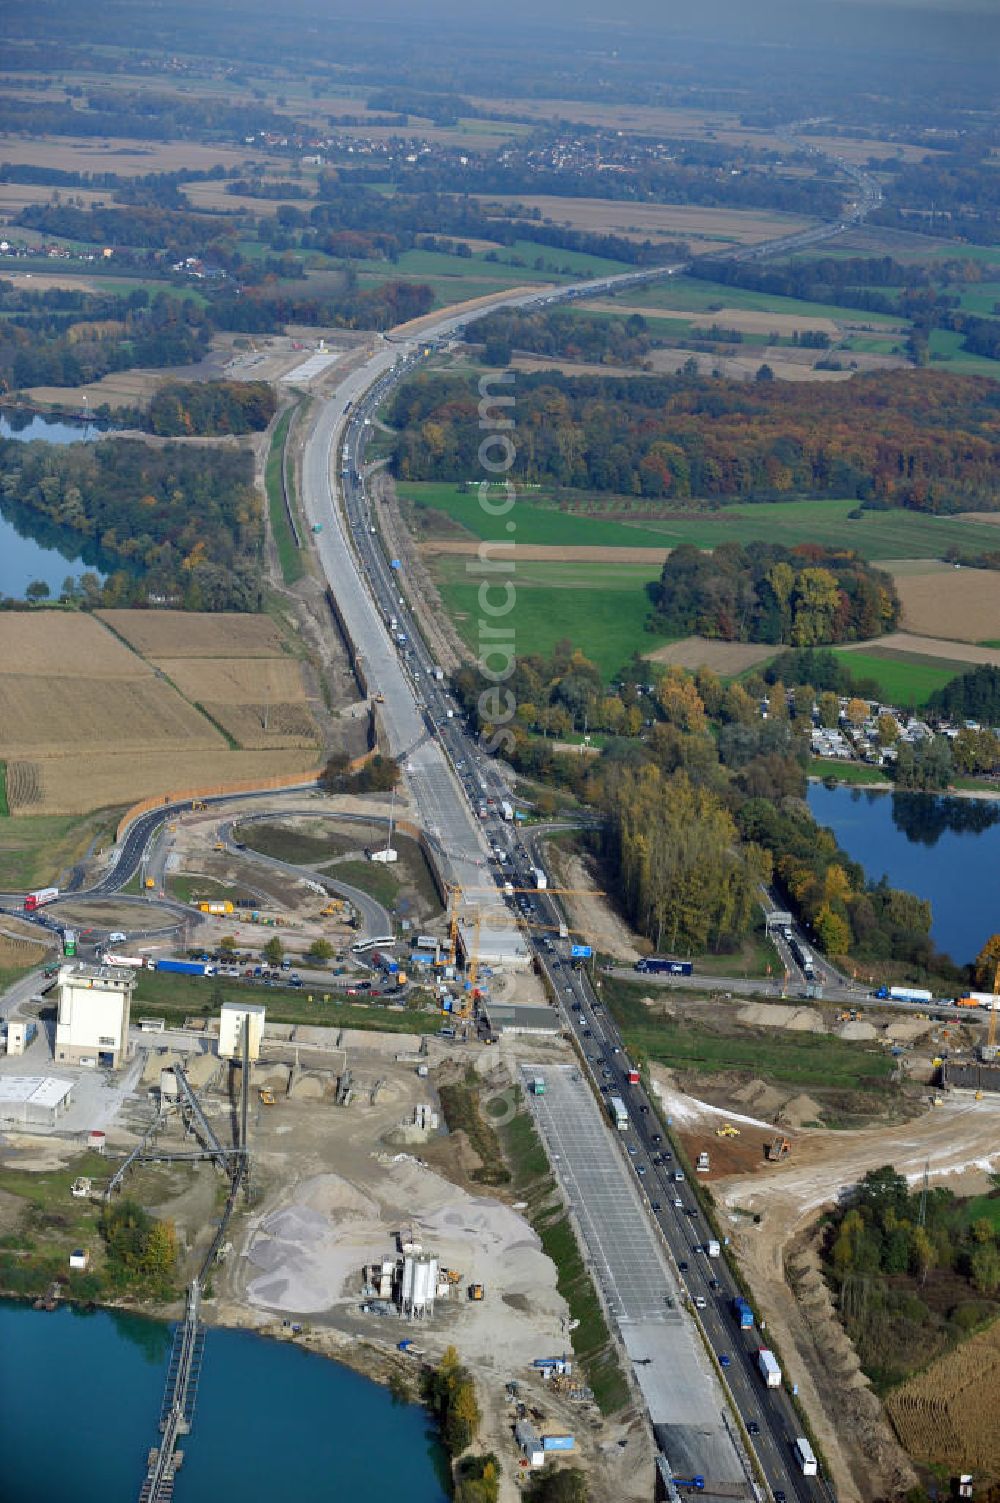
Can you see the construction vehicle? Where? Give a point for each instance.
(727, 1130)
(476, 1292)
(777, 1149)
(379, 697)
(198, 803)
(218, 846)
(266, 1096)
(149, 882)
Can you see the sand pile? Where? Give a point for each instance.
(858, 1031)
(763, 1099)
(309, 1250)
(800, 1110)
(775, 1015)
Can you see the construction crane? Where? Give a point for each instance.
(457, 893)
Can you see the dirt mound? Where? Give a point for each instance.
(857, 1031)
(800, 1110)
(764, 1100)
(774, 1015)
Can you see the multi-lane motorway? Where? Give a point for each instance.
(449, 773)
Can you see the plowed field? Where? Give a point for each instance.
(193, 634)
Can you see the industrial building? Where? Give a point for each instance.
(95, 1004)
(33, 1100)
(419, 1286)
(515, 1017)
(231, 1029)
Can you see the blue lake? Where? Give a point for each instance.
(81, 1399)
(31, 547)
(944, 849)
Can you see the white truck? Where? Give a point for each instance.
(712, 1247)
(506, 810)
(769, 1369)
(540, 879)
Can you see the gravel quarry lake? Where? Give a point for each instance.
(272, 1421)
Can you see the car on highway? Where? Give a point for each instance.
(682, 1266)
(714, 1285)
(640, 1169)
(631, 1149)
(753, 1428)
(725, 1360)
(678, 1203)
(654, 1205)
(700, 1302)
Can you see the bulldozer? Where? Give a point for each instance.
(727, 1130)
(266, 1096)
(476, 1292)
(777, 1149)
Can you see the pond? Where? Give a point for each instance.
(32, 547)
(944, 849)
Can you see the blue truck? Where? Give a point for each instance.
(186, 967)
(659, 965)
(742, 1313)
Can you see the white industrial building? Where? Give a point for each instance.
(95, 1004)
(231, 1028)
(419, 1285)
(33, 1100)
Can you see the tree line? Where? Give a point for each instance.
(912, 1271)
(702, 799)
(183, 525)
(211, 408)
(766, 593)
(566, 335)
(927, 441)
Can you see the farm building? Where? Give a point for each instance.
(95, 1004)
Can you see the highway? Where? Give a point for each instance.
(449, 774)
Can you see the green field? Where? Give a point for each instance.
(804, 1060)
(457, 278)
(36, 849)
(534, 522)
(691, 294)
(903, 679)
(289, 556)
(845, 772)
(173, 997)
(874, 535)
(4, 806)
(601, 609)
(946, 348)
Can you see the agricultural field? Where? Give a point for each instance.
(653, 221)
(127, 157)
(724, 658)
(875, 535)
(601, 608)
(534, 522)
(87, 723)
(622, 522)
(959, 603)
(260, 702)
(196, 634)
(903, 679)
(686, 295)
(455, 279)
(101, 780)
(944, 1416)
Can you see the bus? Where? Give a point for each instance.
(619, 1113)
(69, 941)
(365, 946)
(805, 1458)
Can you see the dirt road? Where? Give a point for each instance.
(958, 1142)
